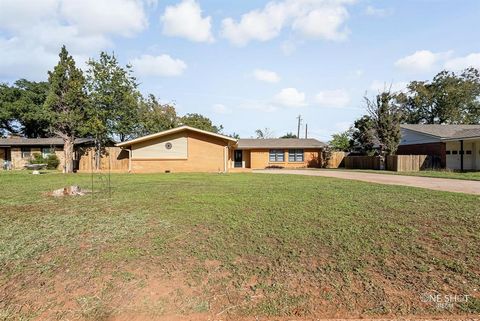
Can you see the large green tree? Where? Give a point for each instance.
(449, 98)
(386, 116)
(200, 122)
(341, 141)
(363, 136)
(155, 117)
(66, 103)
(114, 99)
(22, 109)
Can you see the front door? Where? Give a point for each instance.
(237, 158)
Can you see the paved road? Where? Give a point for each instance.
(440, 184)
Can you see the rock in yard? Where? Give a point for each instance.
(68, 191)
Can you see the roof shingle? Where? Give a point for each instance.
(279, 143)
(53, 141)
(445, 131)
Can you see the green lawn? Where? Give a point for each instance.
(219, 246)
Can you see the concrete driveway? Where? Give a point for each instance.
(439, 184)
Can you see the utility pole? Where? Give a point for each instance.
(306, 131)
(299, 122)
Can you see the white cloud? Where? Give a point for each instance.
(185, 20)
(459, 63)
(379, 86)
(323, 19)
(326, 23)
(422, 60)
(34, 31)
(266, 75)
(221, 109)
(333, 98)
(290, 97)
(378, 12)
(163, 65)
(258, 24)
(122, 17)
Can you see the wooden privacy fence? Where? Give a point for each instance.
(411, 163)
(362, 162)
(397, 163)
(114, 159)
(335, 160)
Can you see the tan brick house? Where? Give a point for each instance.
(187, 149)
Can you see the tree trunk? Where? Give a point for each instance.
(68, 150)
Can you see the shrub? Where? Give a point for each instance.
(37, 159)
(51, 160)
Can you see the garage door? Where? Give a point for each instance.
(453, 158)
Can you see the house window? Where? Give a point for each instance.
(454, 152)
(47, 151)
(295, 155)
(468, 152)
(276, 155)
(26, 152)
(448, 152)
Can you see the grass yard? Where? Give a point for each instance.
(232, 246)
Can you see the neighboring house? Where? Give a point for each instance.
(456, 146)
(15, 152)
(187, 149)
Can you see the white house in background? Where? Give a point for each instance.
(456, 146)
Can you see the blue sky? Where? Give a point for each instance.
(250, 64)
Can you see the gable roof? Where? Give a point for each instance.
(52, 141)
(445, 132)
(173, 131)
(280, 143)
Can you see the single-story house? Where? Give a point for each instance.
(187, 149)
(456, 146)
(15, 151)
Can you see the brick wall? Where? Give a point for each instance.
(205, 154)
(432, 149)
(259, 159)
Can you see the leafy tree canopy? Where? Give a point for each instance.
(66, 103)
(363, 136)
(341, 141)
(449, 98)
(200, 122)
(289, 135)
(155, 117)
(386, 116)
(21, 109)
(114, 99)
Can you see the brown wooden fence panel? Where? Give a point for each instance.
(408, 163)
(114, 159)
(362, 162)
(335, 160)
